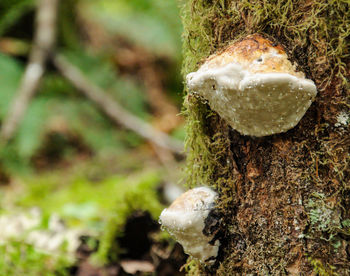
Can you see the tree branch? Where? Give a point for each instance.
(112, 109)
(43, 43)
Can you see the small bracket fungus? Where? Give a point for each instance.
(185, 219)
(254, 87)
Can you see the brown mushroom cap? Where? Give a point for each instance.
(247, 53)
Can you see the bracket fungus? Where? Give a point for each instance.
(254, 87)
(185, 220)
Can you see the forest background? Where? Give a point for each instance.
(78, 182)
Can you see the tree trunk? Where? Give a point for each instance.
(284, 198)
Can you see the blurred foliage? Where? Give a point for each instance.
(11, 72)
(152, 24)
(58, 111)
(11, 12)
(19, 258)
(88, 198)
(84, 202)
(67, 157)
(57, 108)
(140, 195)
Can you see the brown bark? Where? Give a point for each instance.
(285, 198)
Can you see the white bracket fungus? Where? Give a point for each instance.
(185, 220)
(254, 87)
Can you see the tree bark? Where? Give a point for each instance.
(285, 198)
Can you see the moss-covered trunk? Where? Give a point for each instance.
(285, 198)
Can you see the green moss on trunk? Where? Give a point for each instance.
(285, 198)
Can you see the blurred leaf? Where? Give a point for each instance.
(12, 162)
(10, 75)
(30, 134)
(154, 25)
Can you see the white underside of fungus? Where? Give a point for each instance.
(256, 90)
(185, 220)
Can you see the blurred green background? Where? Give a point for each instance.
(67, 160)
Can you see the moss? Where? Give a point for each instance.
(192, 267)
(316, 36)
(311, 158)
(140, 195)
(321, 29)
(91, 197)
(19, 258)
(322, 269)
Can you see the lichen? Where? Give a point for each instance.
(322, 217)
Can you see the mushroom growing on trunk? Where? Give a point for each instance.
(185, 220)
(254, 87)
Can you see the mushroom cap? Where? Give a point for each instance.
(254, 87)
(185, 220)
(189, 210)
